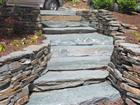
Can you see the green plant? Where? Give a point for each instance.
(137, 35)
(75, 1)
(2, 47)
(102, 4)
(2, 2)
(127, 5)
(138, 7)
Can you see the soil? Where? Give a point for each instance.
(6, 41)
(133, 19)
(79, 5)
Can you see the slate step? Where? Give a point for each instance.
(65, 79)
(78, 63)
(69, 30)
(61, 18)
(79, 39)
(80, 51)
(90, 94)
(58, 13)
(63, 24)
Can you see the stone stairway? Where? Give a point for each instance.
(76, 73)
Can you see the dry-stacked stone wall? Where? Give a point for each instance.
(18, 70)
(124, 67)
(19, 20)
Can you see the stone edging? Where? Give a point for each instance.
(18, 70)
(125, 60)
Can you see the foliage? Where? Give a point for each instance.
(2, 47)
(127, 5)
(137, 35)
(138, 7)
(102, 4)
(75, 1)
(25, 41)
(2, 2)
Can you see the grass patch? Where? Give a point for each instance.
(136, 35)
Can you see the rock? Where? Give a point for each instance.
(59, 80)
(78, 63)
(80, 51)
(76, 96)
(58, 13)
(80, 39)
(69, 30)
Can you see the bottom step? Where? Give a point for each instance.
(85, 95)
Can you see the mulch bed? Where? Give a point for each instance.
(79, 5)
(6, 40)
(133, 19)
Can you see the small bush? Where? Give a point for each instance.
(127, 5)
(138, 7)
(102, 4)
(2, 2)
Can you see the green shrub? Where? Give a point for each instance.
(2, 2)
(102, 4)
(127, 5)
(138, 7)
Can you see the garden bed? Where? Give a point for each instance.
(15, 43)
(132, 19)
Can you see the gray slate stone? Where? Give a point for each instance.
(73, 63)
(69, 30)
(80, 39)
(63, 24)
(58, 13)
(64, 79)
(79, 51)
(75, 96)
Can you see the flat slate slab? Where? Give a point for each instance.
(79, 39)
(69, 30)
(75, 96)
(63, 24)
(58, 13)
(74, 63)
(64, 79)
(79, 51)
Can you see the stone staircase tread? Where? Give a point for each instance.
(74, 63)
(69, 30)
(58, 13)
(79, 51)
(75, 96)
(64, 24)
(79, 39)
(72, 76)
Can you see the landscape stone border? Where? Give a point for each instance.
(18, 70)
(125, 60)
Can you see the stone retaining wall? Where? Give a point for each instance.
(125, 61)
(19, 20)
(18, 70)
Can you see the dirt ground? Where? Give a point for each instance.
(79, 5)
(133, 19)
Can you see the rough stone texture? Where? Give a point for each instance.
(77, 96)
(78, 63)
(18, 70)
(19, 20)
(125, 60)
(80, 39)
(58, 13)
(69, 30)
(59, 80)
(79, 51)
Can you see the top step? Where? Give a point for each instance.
(58, 13)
